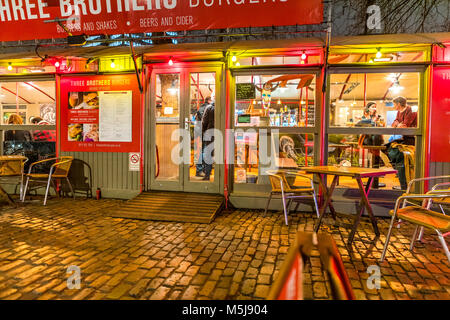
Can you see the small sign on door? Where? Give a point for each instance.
(134, 160)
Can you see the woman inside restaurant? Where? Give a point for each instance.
(17, 135)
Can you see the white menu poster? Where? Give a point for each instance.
(115, 116)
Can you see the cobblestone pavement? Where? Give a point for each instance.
(238, 256)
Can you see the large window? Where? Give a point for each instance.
(371, 110)
(368, 99)
(30, 104)
(274, 121)
(275, 100)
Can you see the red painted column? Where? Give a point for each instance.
(227, 126)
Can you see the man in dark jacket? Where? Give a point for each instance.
(198, 145)
(208, 140)
(406, 118)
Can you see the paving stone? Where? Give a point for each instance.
(238, 256)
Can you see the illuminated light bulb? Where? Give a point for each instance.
(238, 64)
(113, 65)
(371, 61)
(57, 64)
(170, 62)
(379, 54)
(234, 58)
(303, 55)
(279, 101)
(9, 66)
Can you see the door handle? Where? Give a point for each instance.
(186, 123)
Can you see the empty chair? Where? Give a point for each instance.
(58, 171)
(288, 193)
(421, 216)
(12, 170)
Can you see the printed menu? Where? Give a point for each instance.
(102, 116)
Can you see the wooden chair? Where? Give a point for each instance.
(288, 193)
(59, 170)
(290, 282)
(421, 217)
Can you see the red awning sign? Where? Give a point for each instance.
(93, 17)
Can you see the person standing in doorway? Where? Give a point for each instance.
(208, 139)
(198, 140)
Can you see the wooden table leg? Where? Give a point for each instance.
(6, 196)
(363, 204)
(327, 193)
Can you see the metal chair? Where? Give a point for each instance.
(421, 216)
(12, 166)
(440, 202)
(280, 186)
(59, 170)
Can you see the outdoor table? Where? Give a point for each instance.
(356, 173)
(10, 166)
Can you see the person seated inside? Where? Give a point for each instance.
(406, 118)
(42, 135)
(17, 135)
(367, 119)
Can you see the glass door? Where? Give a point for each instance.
(186, 135)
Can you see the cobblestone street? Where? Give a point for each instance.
(237, 256)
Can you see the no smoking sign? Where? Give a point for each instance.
(134, 160)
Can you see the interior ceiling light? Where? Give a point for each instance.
(173, 90)
(113, 65)
(57, 64)
(386, 59)
(379, 54)
(9, 66)
(303, 55)
(36, 70)
(396, 88)
(170, 61)
(234, 58)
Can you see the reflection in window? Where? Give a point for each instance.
(275, 100)
(294, 151)
(202, 97)
(369, 100)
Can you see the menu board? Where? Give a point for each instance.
(100, 113)
(115, 116)
(245, 91)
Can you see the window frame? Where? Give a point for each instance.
(314, 130)
(30, 127)
(419, 132)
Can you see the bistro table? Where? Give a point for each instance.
(356, 173)
(11, 166)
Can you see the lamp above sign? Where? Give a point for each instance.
(36, 18)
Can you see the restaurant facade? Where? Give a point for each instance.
(130, 114)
